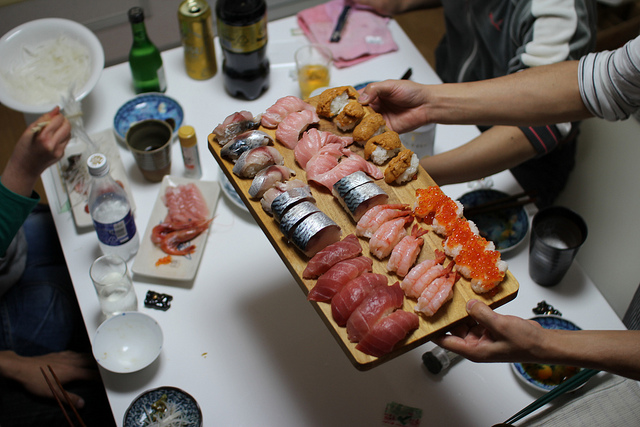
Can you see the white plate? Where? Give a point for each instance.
(180, 267)
(231, 192)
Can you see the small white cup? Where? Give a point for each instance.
(110, 277)
(421, 140)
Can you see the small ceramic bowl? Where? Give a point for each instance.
(162, 402)
(148, 106)
(506, 228)
(532, 374)
(127, 342)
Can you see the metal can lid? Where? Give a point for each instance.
(187, 136)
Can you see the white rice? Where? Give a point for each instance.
(408, 174)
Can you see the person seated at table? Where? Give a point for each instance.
(488, 39)
(604, 84)
(40, 321)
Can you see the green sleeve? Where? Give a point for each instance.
(14, 210)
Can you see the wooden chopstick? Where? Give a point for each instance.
(573, 382)
(502, 203)
(64, 393)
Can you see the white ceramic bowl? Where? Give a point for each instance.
(33, 34)
(127, 342)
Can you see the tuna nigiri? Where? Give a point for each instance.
(289, 129)
(379, 303)
(283, 107)
(338, 276)
(349, 247)
(352, 295)
(385, 334)
(313, 140)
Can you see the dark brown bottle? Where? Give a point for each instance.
(242, 29)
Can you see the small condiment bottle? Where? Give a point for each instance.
(189, 146)
(439, 359)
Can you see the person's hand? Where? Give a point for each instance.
(68, 365)
(493, 337)
(41, 145)
(401, 103)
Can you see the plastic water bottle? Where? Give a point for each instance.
(111, 211)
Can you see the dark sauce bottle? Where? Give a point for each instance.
(242, 29)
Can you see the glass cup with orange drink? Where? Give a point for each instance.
(313, 64)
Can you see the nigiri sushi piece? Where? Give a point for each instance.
(244, 142)
(315, 233)
(418, 270)
(350, 116)
(405, 253)
(379, 303)
(235, 124)
(362, 198)
(278, 189)
(344, 185)
(373, 218)
(352, 295)
(346, 166)
(295, 217)
(253, 161)
(371, 125)
(338, 276)
(283, 107)
(425, 279)
(325, 160)
(289, 199)
(313, 140)
(402, 168)
(347, 248)
(436, 208)
(267, 178)
(289, 129)
(332, 101)
(388, 332)
(436, 294)
(387, 236)
(382, 147)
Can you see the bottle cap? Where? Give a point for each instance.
(136, 15)
(187, 136)
(98, 164)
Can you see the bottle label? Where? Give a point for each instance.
(116, 233)
(243, 39)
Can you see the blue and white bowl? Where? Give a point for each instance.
(148, 106)
(176, 400)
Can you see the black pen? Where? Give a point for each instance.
(337, 31)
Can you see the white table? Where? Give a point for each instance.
(242, 338)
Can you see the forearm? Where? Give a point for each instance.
(617, 352)
(497, 149)
(536, 96)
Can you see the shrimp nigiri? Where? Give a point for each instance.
(414, 273)
(378, 215)
(388, 236)
(406, 252)
(436, 294)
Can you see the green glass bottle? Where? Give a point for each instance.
(144, 58)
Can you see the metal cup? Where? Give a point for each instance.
(110, 277)
(150, 142)
(557, 233)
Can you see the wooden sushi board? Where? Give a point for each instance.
(453, 312)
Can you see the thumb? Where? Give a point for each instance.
(480, 312)
(76, 400)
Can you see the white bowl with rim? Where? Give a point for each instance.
(14, 48)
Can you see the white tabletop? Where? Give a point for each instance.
(242, 338)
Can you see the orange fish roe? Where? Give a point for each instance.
(163, 261)
(432, 203)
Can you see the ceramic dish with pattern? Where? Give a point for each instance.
(231, 192)
(148, 106)
(163, 406)
(544, 377)
(506, 228)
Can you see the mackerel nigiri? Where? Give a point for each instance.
(253, 161)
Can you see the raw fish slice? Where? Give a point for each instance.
(244, 142)
(253, 161)
(378, 215)
(362, 198)
(388, 236)
(271, 194)
(379, 303)
(235, 124)
(353, 293)
(350, 182)
(283, 107)
(414, 274)
(267, 178)
(345, 167)
(347, 248)
(295, 216)
(406, 252)
(325, 160)
(288, 199)
(338, 276)
(289, 129)
(315, 233)
(436, 294)
(313, 140)
(185, 205)
(426, 279)
(385, 334)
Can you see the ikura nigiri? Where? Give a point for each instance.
(436, 208)
(379, 303)
(405, 253)
(347, 248)
(389, 330)
(352, 295)
(338, 276)
(436, 294)
(282, 108)
(387, 236)
(289, 129)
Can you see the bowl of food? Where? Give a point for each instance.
(163, 406)
(148, 106)
(46, 60)
(127, 342)
(506, 227)
(541, 376)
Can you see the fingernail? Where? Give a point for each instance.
(471, 303)
(363, 98)
(80, 403)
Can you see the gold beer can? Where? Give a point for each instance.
(196, 32)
